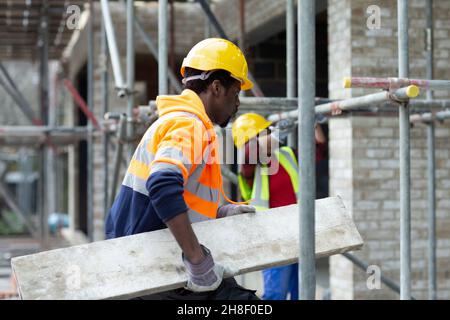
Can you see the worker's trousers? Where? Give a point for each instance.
(229, 289)
(280, 281)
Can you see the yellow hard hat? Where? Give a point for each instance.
(215, 53)
(246, 127)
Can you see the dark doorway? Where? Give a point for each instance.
(322, 54)
(81, 120)
(146, 71)
(322, 174)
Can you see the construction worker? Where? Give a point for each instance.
(174, 177)
(266, 188)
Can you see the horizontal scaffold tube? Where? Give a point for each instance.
(428, 117)
(438, 104)
(272, 105)
(261, 105)
(394, 83)
(355, 103)
(36, 135)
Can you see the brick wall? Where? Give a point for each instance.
(339, 49)
(364, 150)
(340, 164)
(370, 180)
(356, 50)
(364, 171)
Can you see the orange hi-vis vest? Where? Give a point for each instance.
(182, 140)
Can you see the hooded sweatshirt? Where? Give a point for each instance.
(175, 169)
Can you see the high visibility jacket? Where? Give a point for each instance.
(178, 156)
(258, 195)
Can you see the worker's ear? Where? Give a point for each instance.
(216, 88)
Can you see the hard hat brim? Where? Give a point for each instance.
(247, 85)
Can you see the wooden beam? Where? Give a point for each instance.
(151, 262)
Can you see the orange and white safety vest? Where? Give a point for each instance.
(182, 140)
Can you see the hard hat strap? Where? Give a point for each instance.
(203, 76)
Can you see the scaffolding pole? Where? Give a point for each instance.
(25, 191)
(105, 109)
(434, 104)
(275, 104)
(38, 135)
(405, 157)
(162, 47)
(431, 162)
(172, 40)
(292, 103)
(51, 191)
(130, 70)
(113, 49)
(430, 117)
(394, 83)
(241, 35)
(277, 109)
(306, 104)
(431, 168)
(121, 132)
(90, 104)
(402, 94)
(44, 103)
(152, 47)
(291, 65)
(263, 105)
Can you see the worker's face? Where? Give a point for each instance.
(226, 102)
(268, 143)
(261, 148)
(265, 144)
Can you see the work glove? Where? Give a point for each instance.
(320, 118)
(229, 210)
(207, 275)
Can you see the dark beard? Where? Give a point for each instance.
(224, 124)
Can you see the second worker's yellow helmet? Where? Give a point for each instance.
(218, 54)
(248, 126)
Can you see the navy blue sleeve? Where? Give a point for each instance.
(166, 194)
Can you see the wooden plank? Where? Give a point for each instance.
(151, 262)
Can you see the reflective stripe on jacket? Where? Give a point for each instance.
(182, 140)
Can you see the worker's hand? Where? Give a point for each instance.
(207, 275)
(229, 210)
